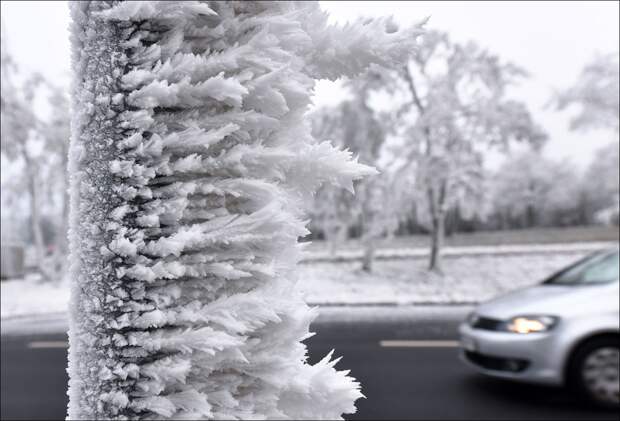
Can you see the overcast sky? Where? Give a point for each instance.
(552, 40)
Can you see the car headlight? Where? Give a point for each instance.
(531, 324)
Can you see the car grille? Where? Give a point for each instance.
(486, 323)
(496, 363)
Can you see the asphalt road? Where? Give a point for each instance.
(420, 378)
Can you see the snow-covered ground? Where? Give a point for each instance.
(471, 276)
(468, 279)
(419, 252)
(29, 296)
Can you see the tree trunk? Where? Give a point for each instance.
(437, 209)
(530, 216)
(58, 261)
(332, 242)
(582, 209)
(369, 256)
(61, 252)
(35, 219)
(437, 238)
(366, 237)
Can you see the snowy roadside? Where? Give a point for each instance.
(469, 279)
(58, 323)
(343, 291)
(30, 297)
(35, 324)
(418, 252)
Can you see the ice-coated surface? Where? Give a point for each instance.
(190, 164)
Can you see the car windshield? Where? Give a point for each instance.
(596, 269)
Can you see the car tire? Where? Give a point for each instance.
(593, 371)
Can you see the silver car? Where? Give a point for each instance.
(565, 331)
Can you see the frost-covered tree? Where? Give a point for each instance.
(530, 190)
(35, 147)
(356, 126)
(455, 111)
(330, 211)
(56, 133)
(596, 94)
(602, 185)
(19, 141)
(190, 163)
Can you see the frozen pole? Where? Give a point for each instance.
(190, 162)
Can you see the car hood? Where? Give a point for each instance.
(555, 300)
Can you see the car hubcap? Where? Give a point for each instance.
(601, 374)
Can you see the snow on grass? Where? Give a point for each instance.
(417, 252)
(31, 297)
(468, 279)
(529, 236)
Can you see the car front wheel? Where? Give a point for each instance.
(595, 371)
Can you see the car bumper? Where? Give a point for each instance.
(528, 358)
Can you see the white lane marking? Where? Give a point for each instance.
(48, 344)
(418, 344)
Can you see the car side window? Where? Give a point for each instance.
(604, 271)
(595, 269)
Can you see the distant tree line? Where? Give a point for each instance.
(530, 190)
(448, 109)
(34, 152)
(527, 191)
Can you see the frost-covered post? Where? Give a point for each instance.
(190, 163)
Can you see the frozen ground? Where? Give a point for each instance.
(473, 274)
(468, 279)
(519, 237)
(58, 323)
(28, 297)
(344, 254)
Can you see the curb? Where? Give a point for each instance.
(457, 252)
(394, 304)
(359, 313)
